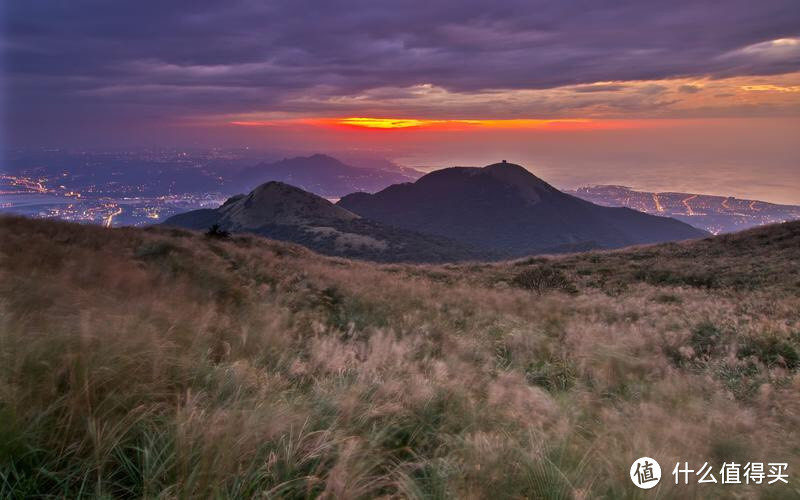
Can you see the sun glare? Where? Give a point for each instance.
(385, 123)
(405, 123)
(370, 123)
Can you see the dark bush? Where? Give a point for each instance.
(705, 339)
(669, 277)
(216, 232)
(530, 261)
(553, 375)
(667, 298)
(771, 351)
(543, 279)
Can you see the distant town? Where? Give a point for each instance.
(716, 214)
(33, 197)
(137, 188)
(112, 189)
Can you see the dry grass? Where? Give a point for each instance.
(161, 363)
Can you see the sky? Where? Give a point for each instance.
(682, 95)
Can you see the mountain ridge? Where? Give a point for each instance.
(288, 213)
(454, 214)
(506, 208)
(320, 174)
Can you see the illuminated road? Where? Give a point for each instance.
(659, 208)
(717, 214)
(685, 202)
(110, 217)
(31, 185)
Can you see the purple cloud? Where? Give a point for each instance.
(148, 58)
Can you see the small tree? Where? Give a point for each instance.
(215, 232)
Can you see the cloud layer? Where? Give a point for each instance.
(91, 60)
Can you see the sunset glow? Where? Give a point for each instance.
(386, 123)
(442, 124)
(392, 123)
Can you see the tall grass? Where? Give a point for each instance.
(164, 364)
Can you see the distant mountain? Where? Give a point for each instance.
(283, 212)
(504, 208)
(717, 214)
(373, 161)
(323, 175)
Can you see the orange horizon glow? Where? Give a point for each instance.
(394, 123)
(385, 123)
(382, 123)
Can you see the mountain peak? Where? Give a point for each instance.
(321, 157)
(503, 164)
(275, 202)
(506, 168)
(319, 173)
(275, 187)
(285, 212)
(315, 159)
(505, 208)
(531, 187)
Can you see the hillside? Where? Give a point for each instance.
(322, 175)
(505, 209)
(163, 363)
(283, 212)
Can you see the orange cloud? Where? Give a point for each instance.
(771, 88)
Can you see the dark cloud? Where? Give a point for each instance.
(652, 89)
(610, 87)
(204, 57)
(689, 89)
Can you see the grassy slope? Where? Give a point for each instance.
(159, 362)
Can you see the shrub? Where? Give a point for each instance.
(667, 298)
(670, 277)
(542, 279)
(742, 379)
(530, 261)
(705, 339)
(771, 351)
(554, 375)
(216, 232)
